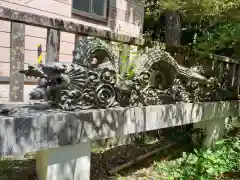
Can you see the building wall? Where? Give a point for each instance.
(118, 22)
(33, 36)
(125, 16)
(67, 44)
(5, 29)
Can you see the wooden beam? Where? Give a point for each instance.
(17, 61)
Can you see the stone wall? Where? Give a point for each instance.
(34, 127)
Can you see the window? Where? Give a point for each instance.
(94, 9)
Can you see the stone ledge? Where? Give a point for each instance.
(43, 21)
(31, 128)
(6, 80)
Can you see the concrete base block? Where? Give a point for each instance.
(214, 130)
(64, 163)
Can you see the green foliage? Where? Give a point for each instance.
(220, 37)
(214, 23)
(204, 164)
(127, 67)
(130, 67)
(131, 71)
(210, 11)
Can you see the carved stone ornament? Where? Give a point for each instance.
(85, 84)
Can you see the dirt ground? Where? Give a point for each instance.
(101, 163)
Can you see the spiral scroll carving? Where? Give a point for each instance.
(82, 85)
(98, 92)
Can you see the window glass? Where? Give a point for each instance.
(98, 7)
(82, 5)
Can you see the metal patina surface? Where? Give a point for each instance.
(87, 83)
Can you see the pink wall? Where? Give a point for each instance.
(5, 28)
(67, 43)
(62, 9)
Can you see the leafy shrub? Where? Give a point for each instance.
(204, 164)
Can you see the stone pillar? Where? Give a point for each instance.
(214, 130)
(53, 45)
(68, 162)
(17, 62)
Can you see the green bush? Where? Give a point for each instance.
(204, 164)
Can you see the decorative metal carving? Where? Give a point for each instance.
(70, 86)
(93, 52)
(85, 85)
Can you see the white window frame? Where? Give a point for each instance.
(91, 15)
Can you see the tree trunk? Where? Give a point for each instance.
(173, 32)
(173, 28)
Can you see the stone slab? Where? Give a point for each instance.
(29, 128)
